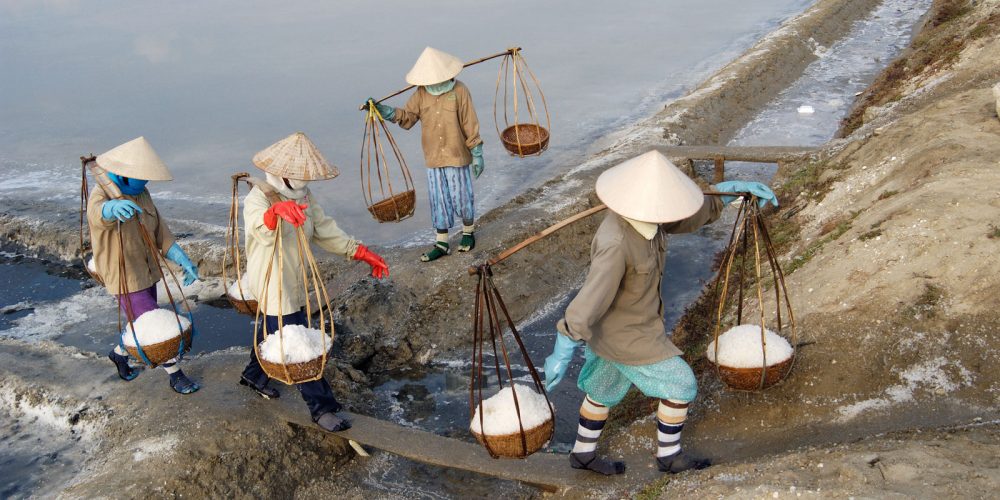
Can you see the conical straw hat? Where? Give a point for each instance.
(434, 66)
(135, 159)
(649, 188)
(295, 157)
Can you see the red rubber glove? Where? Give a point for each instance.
(289, 210)
(379, 268)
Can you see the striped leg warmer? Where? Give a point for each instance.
(670, 417)
(584, 455)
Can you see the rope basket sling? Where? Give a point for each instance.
(520, 138)
(244, 302)
(488, 335)
(85, 250)
(151, 354)
(748, 240)
(312, 283)
(383, 201)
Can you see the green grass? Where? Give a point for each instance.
(994, 232)
(887, 194)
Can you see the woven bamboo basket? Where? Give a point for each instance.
(248, 306)
(525, 139)
(749, 379)
(510, 446)
(299, 372)
(162, 352)
(395, 208)
(92, 272)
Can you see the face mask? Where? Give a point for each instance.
(128, 185)
(296, 184)
(440, 88)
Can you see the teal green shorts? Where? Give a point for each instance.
(607, 382)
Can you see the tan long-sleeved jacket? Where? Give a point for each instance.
(141, 268)
(450, 127)
(318, 228)
(619, 311)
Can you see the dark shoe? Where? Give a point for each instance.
(468, 242)
(125, 372)
(589, 461)
(440, 250)
(181, 384)
(262, 390)
(329, 421)
(680, 462)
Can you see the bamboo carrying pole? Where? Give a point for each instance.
(473, 270)
(466, 65)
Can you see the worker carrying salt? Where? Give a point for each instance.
(618, 312)
(290, 164)
(130, 166)
(452, 147)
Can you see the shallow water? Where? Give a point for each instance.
(210, 84)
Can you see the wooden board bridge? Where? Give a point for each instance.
(721, 154)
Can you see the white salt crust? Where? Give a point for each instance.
(153, 327)
(234, 290)
(500, 415)
(301, 344)
(740, 347)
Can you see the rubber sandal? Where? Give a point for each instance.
(262, 390)
(181, 384)
(332, 423)
(125, 372)
(468, 242)
(440, 250)
(680, 462)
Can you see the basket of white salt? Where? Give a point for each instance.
(513, 430)
(92, 271)
(240, 296)
(294, 354)
(160, 333)
(750, 357)
(745, 362)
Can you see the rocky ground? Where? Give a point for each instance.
(888, 237)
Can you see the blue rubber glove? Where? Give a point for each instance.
(122, 210)
(478, 165)
(177, 256)
(558, 362)
(387, 112)
(762, 192)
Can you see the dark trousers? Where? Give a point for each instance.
(317, 394)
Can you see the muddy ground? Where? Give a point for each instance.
(888, 237)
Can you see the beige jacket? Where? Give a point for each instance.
(619, 312)
(318, 228)
(450, 126)
(141, 268)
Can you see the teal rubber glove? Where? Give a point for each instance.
(761, 191)
(478, 165)
(558, 362)
(387, 112)
(122, 210)
(177, 256)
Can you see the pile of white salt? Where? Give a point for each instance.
(238, 286)
(500, 414)
(153, 327)
(300, 344)
(740, 347)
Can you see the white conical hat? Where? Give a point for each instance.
(135, 159)
(649, 188)
(295, 157)
(434, 66)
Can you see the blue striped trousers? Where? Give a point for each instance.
(450, 192)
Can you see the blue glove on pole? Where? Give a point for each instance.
(762, 192)
(177, 256)
(122, 210)
(558, 362)
(387, 112)
(477, 160)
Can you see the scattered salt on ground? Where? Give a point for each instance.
(153, 327)
(237, 286)
(301, 344)
(500, 415)
(806, 109)
(740, 347)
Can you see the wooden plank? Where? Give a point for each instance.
(762, 154)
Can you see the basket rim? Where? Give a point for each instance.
(542, 135)
(753, 368)
(185, 333)
(547, 421)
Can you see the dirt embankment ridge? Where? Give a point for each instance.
(889, 242)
